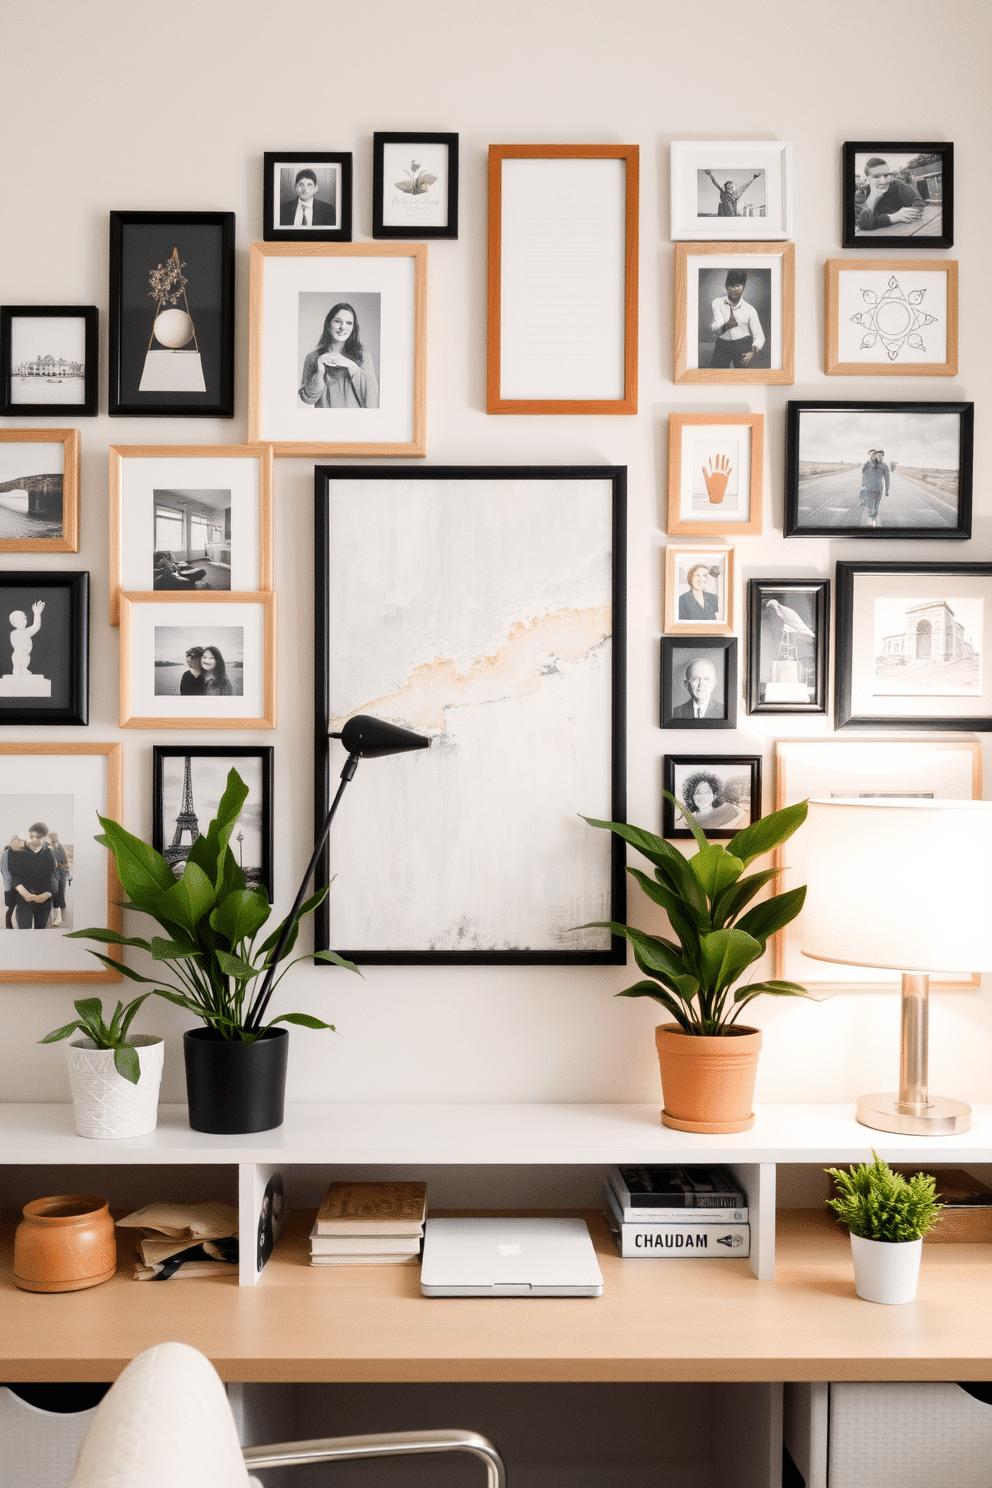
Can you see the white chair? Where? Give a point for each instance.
(166, 1422)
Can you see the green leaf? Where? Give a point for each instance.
(725, 954)
(336, 960)
(172, 950)
(60, 1033)
(767, 832)
(236, 966)
(143, 872)
(715, 868)
(130, 1011)
(666, 858)
(126, 1063)
(107, 937)
(241, 915)
(189, 900)
(769, 916)
(674, 906)
(90, 1009)
(122, 967)
(232, 879)
(303, 1019)
(651, 953)
(771, 989)
(209, 851)
(735, 896)
(306, 908)
(651, 989)
(687, 816)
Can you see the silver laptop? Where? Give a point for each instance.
(509, 1258)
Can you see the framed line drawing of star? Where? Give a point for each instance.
(894, 317)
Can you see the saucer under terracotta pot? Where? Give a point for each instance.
(707, 1084)
(64, 1243)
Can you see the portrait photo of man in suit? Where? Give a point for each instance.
(305, 202)
(700, 682)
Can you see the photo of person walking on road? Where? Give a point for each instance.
(875, 477)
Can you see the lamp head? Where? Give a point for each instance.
(372, 738)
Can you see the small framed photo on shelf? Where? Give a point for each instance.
(734, 312)
(898, 195)
(208, 662)
(50, 797)
(172, 314)
(196, 519)
(879, 470)
(414, 185)
(337, 348)
(722, 791)
(39, 490)
(715, 473)
(913, 646)
(188, 781)
(699, 589)
(307, 196)
(699, 682)
(44, 647)
(49, 361)
(788, 645)
(731, 189)
(892, 317)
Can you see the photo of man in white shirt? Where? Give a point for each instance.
(735, 324)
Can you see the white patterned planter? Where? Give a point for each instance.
(106, 1104)
(886, 1271)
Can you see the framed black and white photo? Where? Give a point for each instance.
(914, 642)
(208, 662)
(485, 608)
(788, 645)
(891, 317)
(898, 193)
(879, 470)
(196, 519)
(172, 314)
(698, 682)
(39, 490)
(699, 589)
(722, 792)
(414, 185)
(715, 480)
(337, 349)
(188, 781)
(307, 196)
(44, 647)
(731, 189)
(48, 361)
(61, 879)
(734, 312)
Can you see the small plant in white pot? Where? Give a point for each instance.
(887, 1215)
(114, 1074)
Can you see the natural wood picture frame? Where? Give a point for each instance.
(70, 440)
(723, 622)
(909, 319)
(677, 524)
(684, 252)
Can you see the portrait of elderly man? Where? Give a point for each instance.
(700, 684)
(306, 209)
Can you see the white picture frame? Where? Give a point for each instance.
(697, 166)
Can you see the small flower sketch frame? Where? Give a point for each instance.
(49, 361)
(891, 317)
(414, 185)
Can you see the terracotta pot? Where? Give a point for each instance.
(64, 1243)
(707, 1084)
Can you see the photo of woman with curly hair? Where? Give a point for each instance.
(722, 792)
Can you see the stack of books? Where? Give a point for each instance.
(671, 1210)
(369, 1224)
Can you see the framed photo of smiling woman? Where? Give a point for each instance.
(699, 589)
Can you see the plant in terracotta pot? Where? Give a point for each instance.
(709, 1060)
(114, 1075)
(887, 1216)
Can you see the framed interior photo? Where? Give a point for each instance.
(879, 470)
(699, 589)
(715, 473)
(722, 791)
(485, 608)
(874, 768)
(39, 490)
(698, 682)
(61, 878)
(196, 519)
(725, 188)
(734, 312)
(337, 348)
(172, 314)
(414, 185)
(898, 194)
(563, 218)
(188, 781)
(49, 363)
(307, 195)
(208, 662)
(44, 647)
(891, 317)
(788, 645)
(914, 643)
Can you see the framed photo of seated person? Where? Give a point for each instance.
(734, 312)
(698, 682)
(898, 194)
(307, 196)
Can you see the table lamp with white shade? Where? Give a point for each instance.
(905, 885)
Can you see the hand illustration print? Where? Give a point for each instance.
(716, 478)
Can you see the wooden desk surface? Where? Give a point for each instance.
(688, 1320)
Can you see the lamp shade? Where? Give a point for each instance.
(900, 884)
(372, 738)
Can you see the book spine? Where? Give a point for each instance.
(661, 1241)
(673, 1216)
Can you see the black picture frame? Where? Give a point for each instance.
(925, 182)
(915, 489)
(90, 316)
(851, 630)
(608, 877)
(380, 139)
(203, 245)
(264, 753)
(336, 226)
(59, 652)
(677, 653)
(816, 593)
(708, 765)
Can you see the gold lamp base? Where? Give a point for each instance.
(935, 1117)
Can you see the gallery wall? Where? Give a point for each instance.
(126, 107)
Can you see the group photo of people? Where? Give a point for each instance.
(36, 862)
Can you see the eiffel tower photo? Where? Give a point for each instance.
(178, 851)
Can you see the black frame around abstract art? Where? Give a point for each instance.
(329, 756)
(74, 645)
(90, 316)
(262, 752)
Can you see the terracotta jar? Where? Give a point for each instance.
(707, 1084)
(64, 1243)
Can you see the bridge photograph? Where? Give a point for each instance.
(30, 491)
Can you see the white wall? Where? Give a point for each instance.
(123, 105)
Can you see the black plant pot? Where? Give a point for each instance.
(234, 1087)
